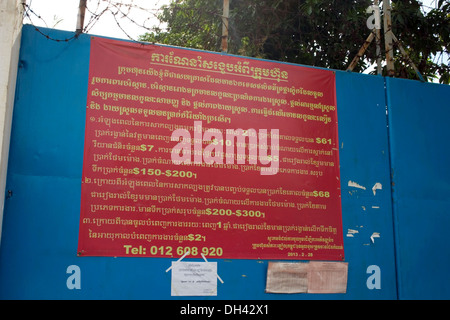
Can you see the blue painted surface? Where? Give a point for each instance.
(41, 218)
(419, 116)
(364, 159)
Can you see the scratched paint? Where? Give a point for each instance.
(355, 185)
(377, 186)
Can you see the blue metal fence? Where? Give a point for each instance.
(419, 116)
(400, 228)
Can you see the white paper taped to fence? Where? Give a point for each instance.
(194, 278)
(312, 277)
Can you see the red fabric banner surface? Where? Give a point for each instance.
(167, 171)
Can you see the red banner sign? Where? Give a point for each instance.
(197, 153)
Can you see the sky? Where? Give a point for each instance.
(62, 14)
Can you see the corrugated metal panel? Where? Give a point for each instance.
(364, 159)
(420, 150)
